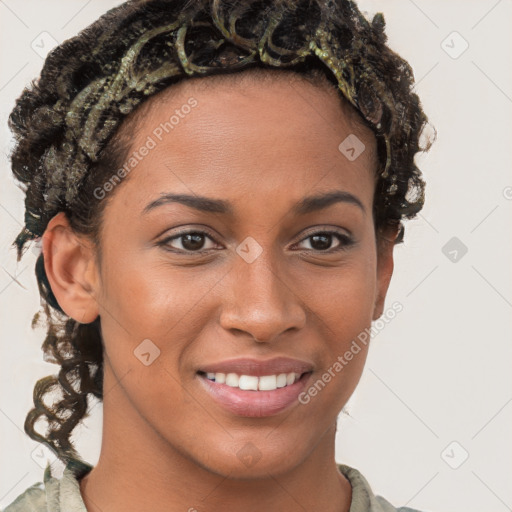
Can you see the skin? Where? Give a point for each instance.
(263, 146)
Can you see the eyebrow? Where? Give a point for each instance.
(303, 207)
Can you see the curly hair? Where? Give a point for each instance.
(66, 126)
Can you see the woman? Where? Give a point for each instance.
(218, 187)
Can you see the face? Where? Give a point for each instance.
(254, 280)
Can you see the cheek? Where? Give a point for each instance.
(341, 305)
(344, 295)
(154, 300)
(147, 325)
(343, 325)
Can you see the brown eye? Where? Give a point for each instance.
(321, 241)
(190, 241)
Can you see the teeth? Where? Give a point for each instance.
(248, 382)
(267, 383)
(232, 380)
(251, 382)
(281, 380)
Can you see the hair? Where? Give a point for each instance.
(67, 133)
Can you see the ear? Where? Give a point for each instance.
(70, 265)
(385, 245)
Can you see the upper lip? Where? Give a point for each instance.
(258, 367)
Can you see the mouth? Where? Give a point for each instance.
(254, 382)
(254, 395)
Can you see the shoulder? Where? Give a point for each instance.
(55, 494)
(363, 498)
(32, 499)
(386, 506)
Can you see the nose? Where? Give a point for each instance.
(260, 300)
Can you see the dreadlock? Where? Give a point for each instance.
(65, 122)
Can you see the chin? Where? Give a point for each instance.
(249, 464)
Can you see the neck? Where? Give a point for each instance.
(139, 470)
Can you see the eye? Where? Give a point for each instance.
(194, 242)
(190, 241)
(321, 240)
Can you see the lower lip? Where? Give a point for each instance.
(255, 404)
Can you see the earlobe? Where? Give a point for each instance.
(71, 270)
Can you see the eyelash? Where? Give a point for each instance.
(345, 242)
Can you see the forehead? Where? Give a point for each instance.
(224, 134)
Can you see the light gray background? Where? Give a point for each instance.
(437, 382)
